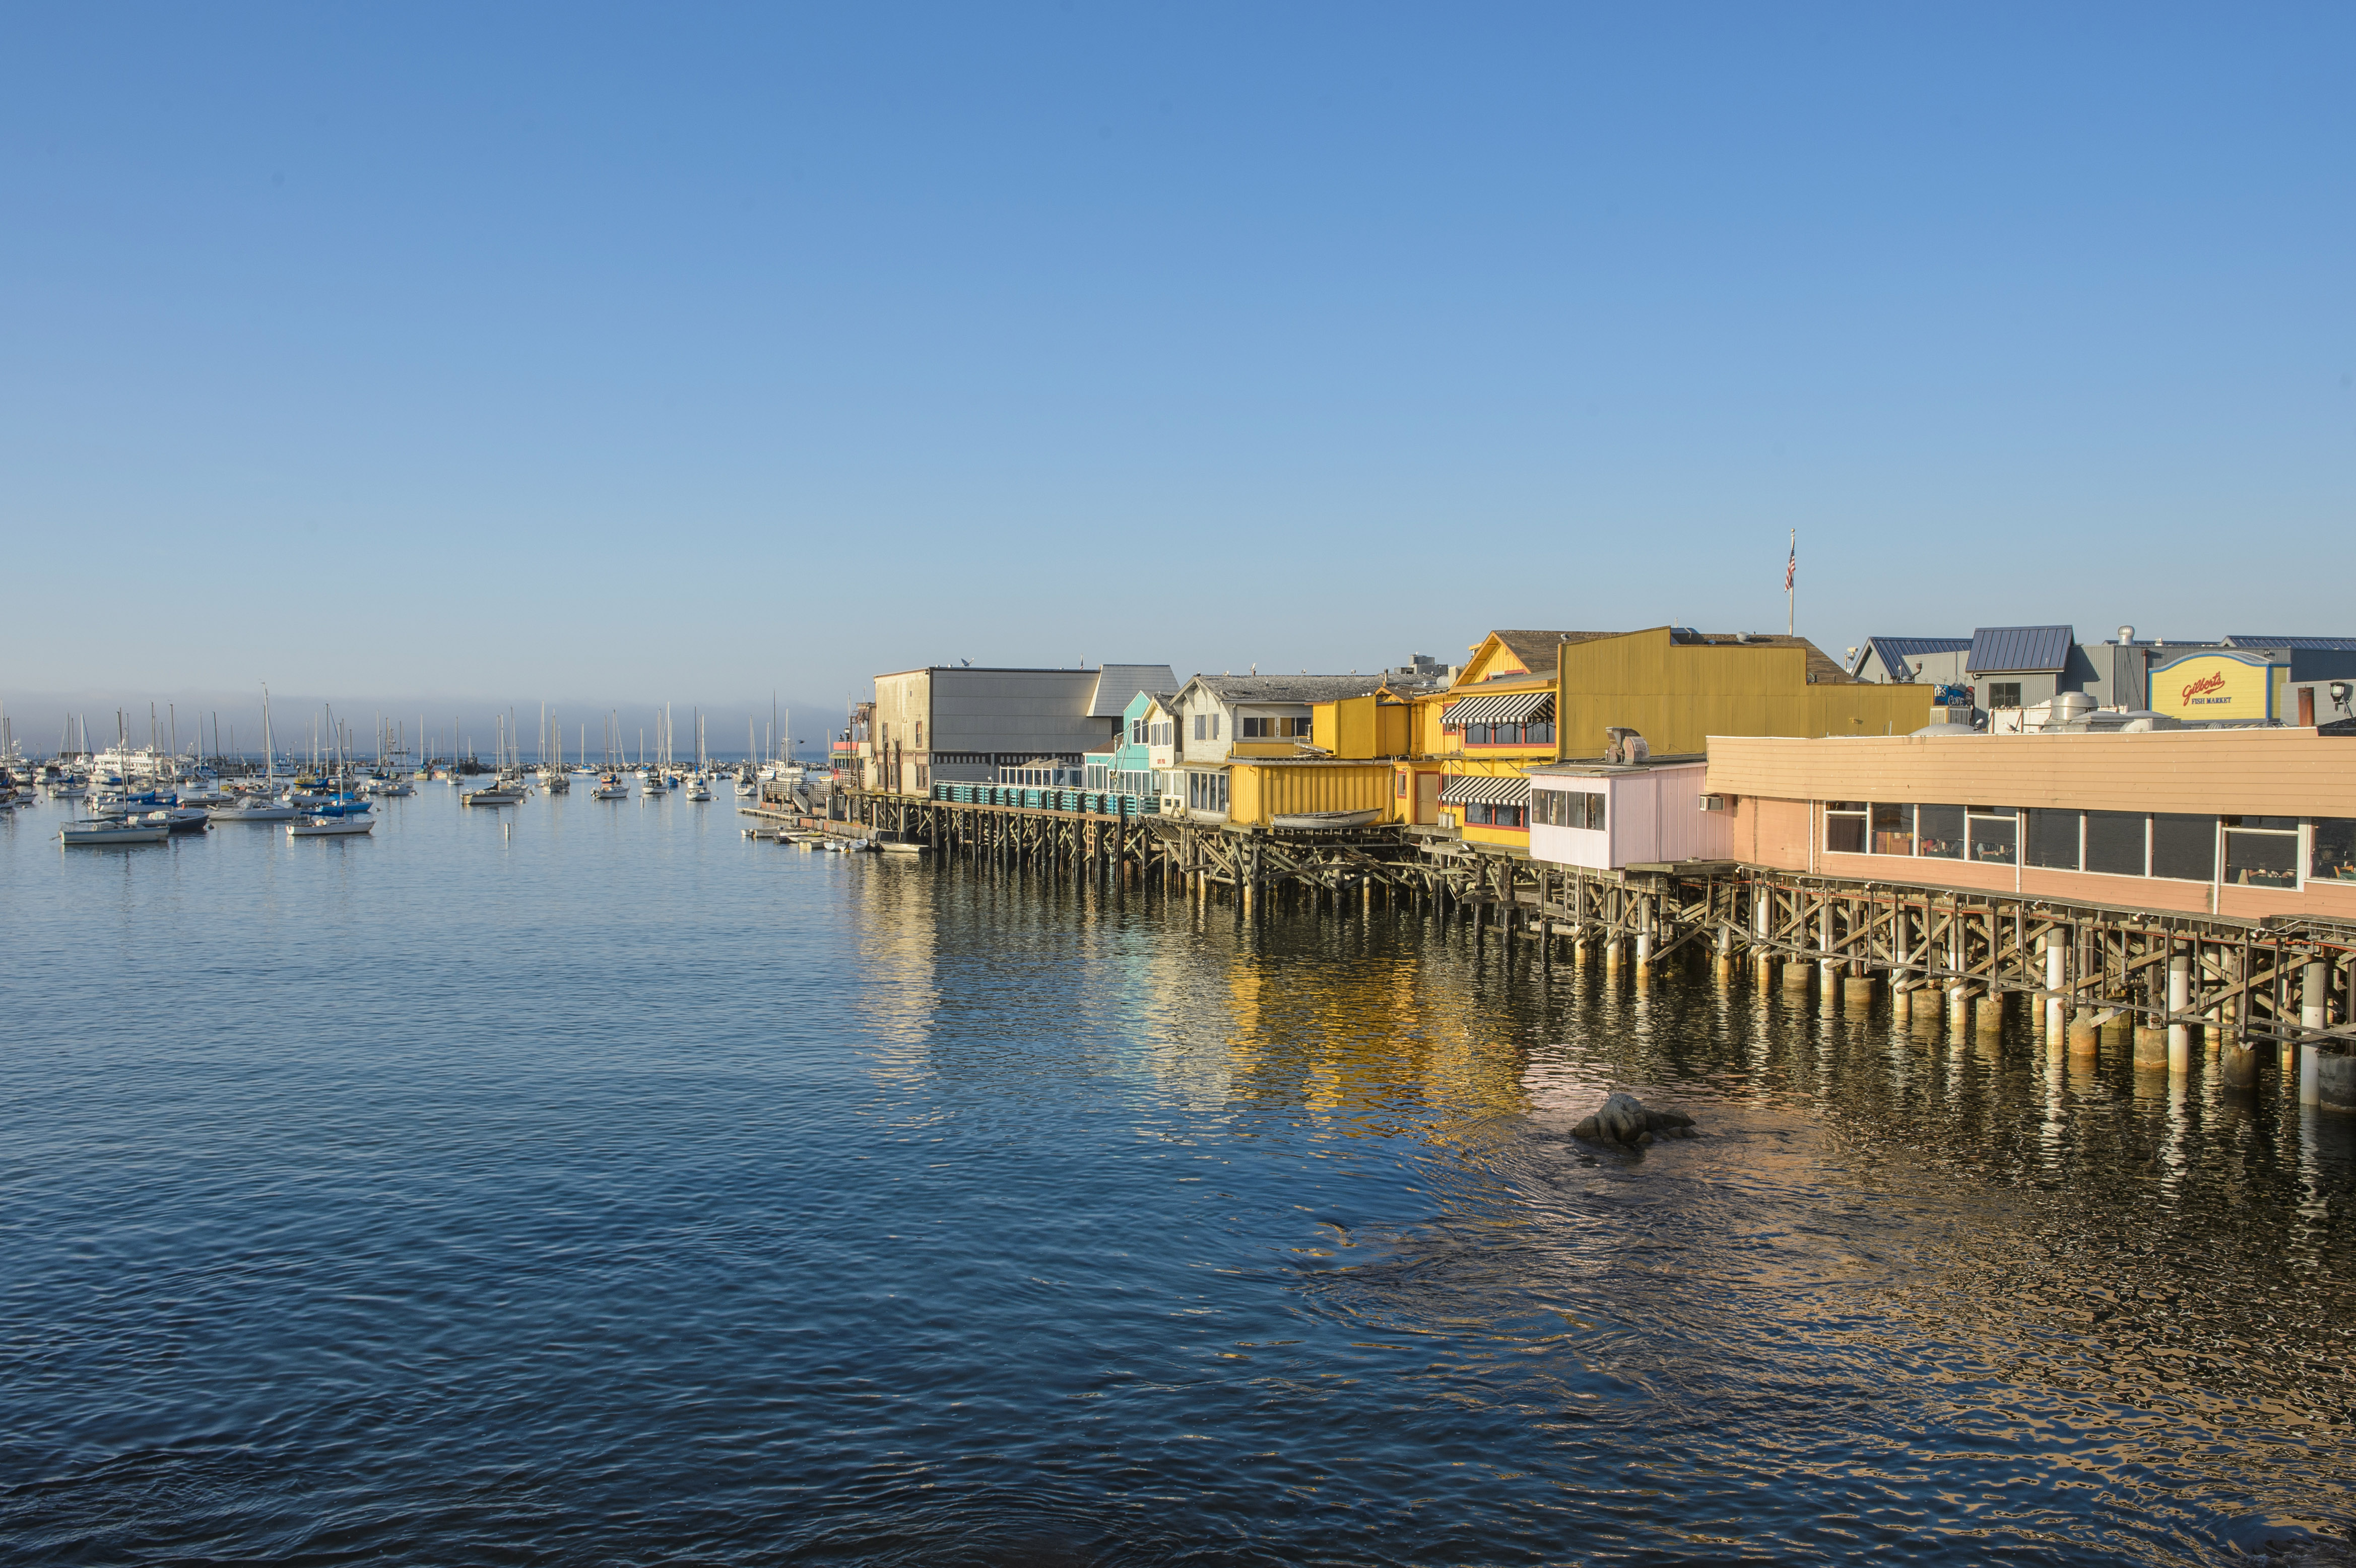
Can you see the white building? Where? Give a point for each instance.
(1606, 816)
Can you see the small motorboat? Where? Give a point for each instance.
(99, 831)
(329, 827)
(896, 848)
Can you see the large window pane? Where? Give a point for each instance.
(1994, 839)
(2183, 847)
(2114, 842)
(1844, 831)
(2335, 850)
(2261, 860)
(1942, 830)
(1894, 830)
(2053, 840)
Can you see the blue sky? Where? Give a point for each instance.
(409, 356)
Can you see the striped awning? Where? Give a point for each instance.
(1502, 708)
(1483, 790)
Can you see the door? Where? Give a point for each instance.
(1427, 798)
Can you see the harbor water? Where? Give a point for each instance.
(585, 1183)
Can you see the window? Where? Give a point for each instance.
(2053, 840)
(2114, 842)
(1894, 830)
(1206, 792)
(1137, 731)
(1481, 813)
(1201, 731)
(1282, 728)
(1399, 785)
(1214, 735)
(2004, 694)
(1593, 812)
(920, 734)
(1845, 826)
(2262, 852)
(1540, 734)
(2333, 858)
(2183, 847)
(1994, 833)
(1941, 831)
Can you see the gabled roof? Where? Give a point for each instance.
(1148, 698)
(2006, 650)
(1233, 688)
(1540, 652)
(1895, 650)
(2312, 644)
(1116, 683)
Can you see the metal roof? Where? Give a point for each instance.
(1484, 790)
(1116, 683)
(1895, 650)
(1499, 708)
(2003, 649)
(2323, 644)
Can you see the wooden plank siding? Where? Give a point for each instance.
(2251, 772)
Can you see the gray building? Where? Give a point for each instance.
(2007, 667)
(961, 722)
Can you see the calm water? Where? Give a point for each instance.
(621, 1191)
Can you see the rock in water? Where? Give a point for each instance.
(1623, 1120)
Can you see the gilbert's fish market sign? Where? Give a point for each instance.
(2213, 686)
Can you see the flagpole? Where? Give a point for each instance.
(1790, 594)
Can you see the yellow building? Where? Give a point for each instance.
(1676, 688)
(1303, 792)
(1476, 738)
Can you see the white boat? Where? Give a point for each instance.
(254, 809)
(907, 849)
(556, 783)
(390, 787)
(610, 787)
(697, 789)
(106, 831)
(1303, 820)
(328, 827)
(499, 794)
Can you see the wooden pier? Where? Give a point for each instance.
(2162, 985)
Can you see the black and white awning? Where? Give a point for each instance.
(1502, 708)
(1482, 790)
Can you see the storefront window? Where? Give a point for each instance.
(2262, 852)
(1941, 830)
(2114, 842)
(2334, 857)
(1894, 830)
(2183, 847)
(1845, 827)
(1995, 835)
(2053, 840)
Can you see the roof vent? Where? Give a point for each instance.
(2127, 634)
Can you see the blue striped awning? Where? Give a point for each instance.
(1499, 708)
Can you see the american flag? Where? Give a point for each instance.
(1791, 566)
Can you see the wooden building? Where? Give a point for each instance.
(2243, 823)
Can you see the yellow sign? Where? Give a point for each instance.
(2209, 686)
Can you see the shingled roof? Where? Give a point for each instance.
(1289, 688)
(1539, 652)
